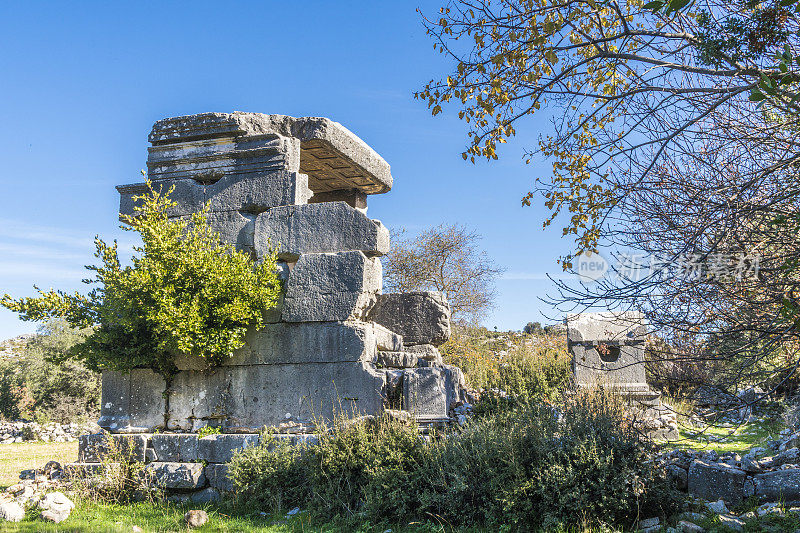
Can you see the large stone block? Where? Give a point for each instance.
(217, 475)
(211, 143)
(396, 359)
(428, 352)
(210, 159)
(220, 448)
(311, 342)
(319, 228)
(778, 485)
(174, 447)
(326, 287)
(715, 481)
(388, 340)
(132, 402)
(177, 476)
(424, 392)
(100, 447)
(250, 193)
(420, 317)
(353, 198)
(247, 398)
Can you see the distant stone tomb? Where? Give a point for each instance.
(335, 344)
(608, 350)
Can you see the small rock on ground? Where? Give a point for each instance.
(11, 511)
(689, 527)
(195, 518)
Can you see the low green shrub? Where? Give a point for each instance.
(273, 475)
(536, 466)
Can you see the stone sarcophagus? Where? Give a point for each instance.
(335, 344)
(608, 350)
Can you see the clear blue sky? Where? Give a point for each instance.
(81, 84)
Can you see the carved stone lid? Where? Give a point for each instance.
(332, 156)
(607, 326)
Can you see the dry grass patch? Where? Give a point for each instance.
(23, 455)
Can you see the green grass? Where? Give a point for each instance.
(91, 516)
(729, 439)
(24, 455)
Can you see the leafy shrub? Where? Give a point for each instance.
(185, 293)
(537, 466)
(273, 474)
(34, 386)
(533, 368)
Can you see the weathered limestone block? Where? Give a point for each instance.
(620, 366)
(171, 475)
(198, 398)
(99, 447)
(428, 352)
(420, 317)
(250, 193)
(210, 159)
(396, 359)
(311, 342)
(247, 398)
(424, 392)
(220, 448)
(387, 340)
(332, 156)
(353, 197)
(217, 475)
(132, 402)
(715, 481)
(325, 287)
(606, 326)
(174, 448)
(778, 485)
(319, 228)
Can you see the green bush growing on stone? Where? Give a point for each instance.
(185, 293)
(205, 431)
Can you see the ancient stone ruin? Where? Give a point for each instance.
(608, 351)
(335, 345)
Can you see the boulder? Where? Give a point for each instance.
(11, 511)
(419, 317)
(714, 481)
(195, 518)
(778, 484)
(56, 507)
